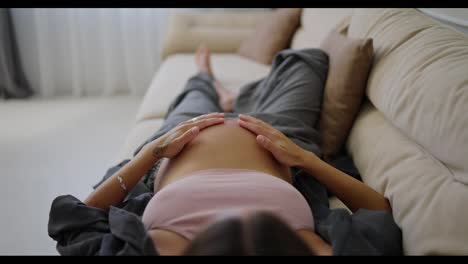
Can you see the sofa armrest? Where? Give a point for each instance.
(222, 32)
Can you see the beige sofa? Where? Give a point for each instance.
(410, 141)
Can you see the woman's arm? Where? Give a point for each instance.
(352, 192)
(111, 192)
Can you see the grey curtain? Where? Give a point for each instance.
(13, 83)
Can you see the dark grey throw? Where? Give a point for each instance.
(289, 98)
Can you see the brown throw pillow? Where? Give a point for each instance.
(271, 35)
(350, 63)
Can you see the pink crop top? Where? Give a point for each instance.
(188, 205)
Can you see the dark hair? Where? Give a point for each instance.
(261, 233)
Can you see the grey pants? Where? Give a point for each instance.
(288, 98)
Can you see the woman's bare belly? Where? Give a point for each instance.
(221, 146)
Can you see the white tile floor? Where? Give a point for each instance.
(53, 147)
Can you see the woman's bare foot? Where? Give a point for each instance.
(202, 58)
(226, 97)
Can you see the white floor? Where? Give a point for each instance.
(53, 147)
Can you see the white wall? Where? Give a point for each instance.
(455, 17)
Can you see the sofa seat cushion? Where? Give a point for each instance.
(231, 69)
(140, 132)
(428, 204)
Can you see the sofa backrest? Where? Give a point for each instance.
(419, 80)
(316, 23)
(413, 146)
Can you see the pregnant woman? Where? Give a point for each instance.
(231, 174)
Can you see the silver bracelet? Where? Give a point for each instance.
(122, 184)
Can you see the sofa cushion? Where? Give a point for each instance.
(271, 35)
(316, 23)
(413, 146)
(428, 205)
(350, 61)
(232, 70)
(222, 32)
(419, 80)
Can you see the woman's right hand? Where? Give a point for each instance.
(172, 143)
(283, 149)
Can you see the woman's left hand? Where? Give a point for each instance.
(171, 144)
(282, 148)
